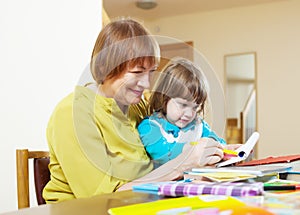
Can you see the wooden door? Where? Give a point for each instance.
(169, 51)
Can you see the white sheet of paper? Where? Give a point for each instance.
(245, 149)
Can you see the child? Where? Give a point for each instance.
(178, 98)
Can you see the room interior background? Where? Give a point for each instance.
(273, 37)
(46, 46)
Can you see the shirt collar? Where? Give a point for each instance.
(171, 128)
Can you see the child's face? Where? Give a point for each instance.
(181, 112)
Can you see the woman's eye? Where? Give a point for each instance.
(136, 71)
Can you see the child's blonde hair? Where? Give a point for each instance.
(180, 78)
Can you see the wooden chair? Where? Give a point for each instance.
(41, 175)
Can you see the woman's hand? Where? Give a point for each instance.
(206, 152)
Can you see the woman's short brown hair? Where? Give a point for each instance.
(119, 45)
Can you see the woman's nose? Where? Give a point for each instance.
(145, 80)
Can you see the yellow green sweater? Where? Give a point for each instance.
(94, 148)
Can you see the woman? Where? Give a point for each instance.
(93, 142)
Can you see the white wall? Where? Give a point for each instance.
(44, 47)
(272, 31)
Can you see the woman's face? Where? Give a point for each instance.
(128, 88)
(181, 112)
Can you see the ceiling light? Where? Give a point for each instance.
(146, 4)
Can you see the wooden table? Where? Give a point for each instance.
(97, 205)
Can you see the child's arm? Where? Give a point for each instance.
(153, 141)
(207, 132)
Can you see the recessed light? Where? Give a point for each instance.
(146, 4)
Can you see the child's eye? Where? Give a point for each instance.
(184, 105)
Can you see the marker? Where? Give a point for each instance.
(230, 152)
(243, 151)
(282, 187)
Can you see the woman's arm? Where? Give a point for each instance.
(206, 152)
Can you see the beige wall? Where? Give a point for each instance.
(271, 30)
(45, 47)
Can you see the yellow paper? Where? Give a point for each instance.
(196, 202)
(226, 176)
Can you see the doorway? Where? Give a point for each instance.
(240, 92)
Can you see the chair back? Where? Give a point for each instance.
(41, 175)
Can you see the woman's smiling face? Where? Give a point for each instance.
(128, 88)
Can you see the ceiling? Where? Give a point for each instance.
(116, 8)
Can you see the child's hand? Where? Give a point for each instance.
(229, 151)
(232, 146)
(206, 152)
